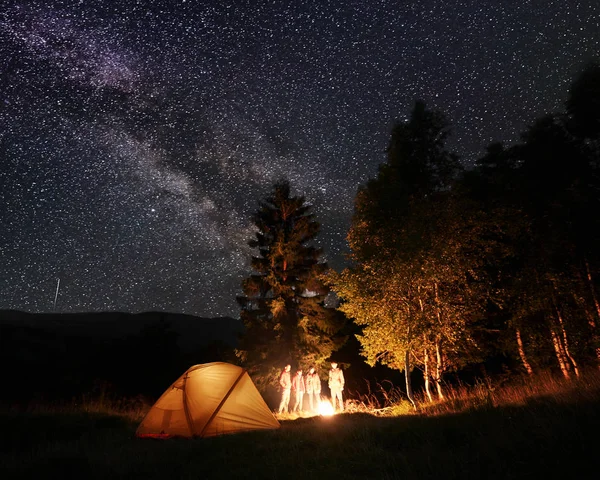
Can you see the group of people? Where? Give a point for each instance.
(309, 388)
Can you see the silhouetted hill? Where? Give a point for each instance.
(57, 357)
(192, 332)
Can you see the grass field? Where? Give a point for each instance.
(538, 429)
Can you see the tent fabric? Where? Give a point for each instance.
(207, 400)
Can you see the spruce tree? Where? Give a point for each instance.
(283, 306)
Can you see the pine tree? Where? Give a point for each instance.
(283, 306)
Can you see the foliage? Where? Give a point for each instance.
(283, 306)
(418, 282)
(457, 266)
(548, 187)
(583, 103)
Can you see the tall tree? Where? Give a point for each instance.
(418, 166)
(559, 185)
(283, 306)
(549, 185)
(583, 103)
(409, 286)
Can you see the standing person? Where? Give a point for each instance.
(336, 385)
(313, 390)
(285, 382)
(299, 388)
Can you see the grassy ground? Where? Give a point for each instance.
(541, 429)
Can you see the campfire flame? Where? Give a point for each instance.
(325, 408)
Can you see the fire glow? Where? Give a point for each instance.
(325, 408)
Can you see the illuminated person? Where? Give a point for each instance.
(336, 385)
(299, 389)
(313, 389)
(286, 385)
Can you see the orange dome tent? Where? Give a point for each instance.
(207, 400)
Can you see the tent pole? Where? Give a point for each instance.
(214, 414)
(186, 410)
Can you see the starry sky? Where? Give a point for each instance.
(137, 137)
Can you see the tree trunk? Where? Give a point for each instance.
(593, 290)
(592, 324)
(426, 375)
(591, 319)
(409, 391)
(439, 368)
(522, 353)
(563, 341)
(562, 362)
(566, 341)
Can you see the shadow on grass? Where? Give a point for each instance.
(25, 431)
(544, 438)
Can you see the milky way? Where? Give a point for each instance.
(136, 140)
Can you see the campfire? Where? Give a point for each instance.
(325, 408)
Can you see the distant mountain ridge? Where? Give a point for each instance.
(124, 354)
(192, 332)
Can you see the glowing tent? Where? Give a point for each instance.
(207, 400)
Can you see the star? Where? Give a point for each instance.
(137, 138)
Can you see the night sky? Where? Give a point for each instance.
(137, 137)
